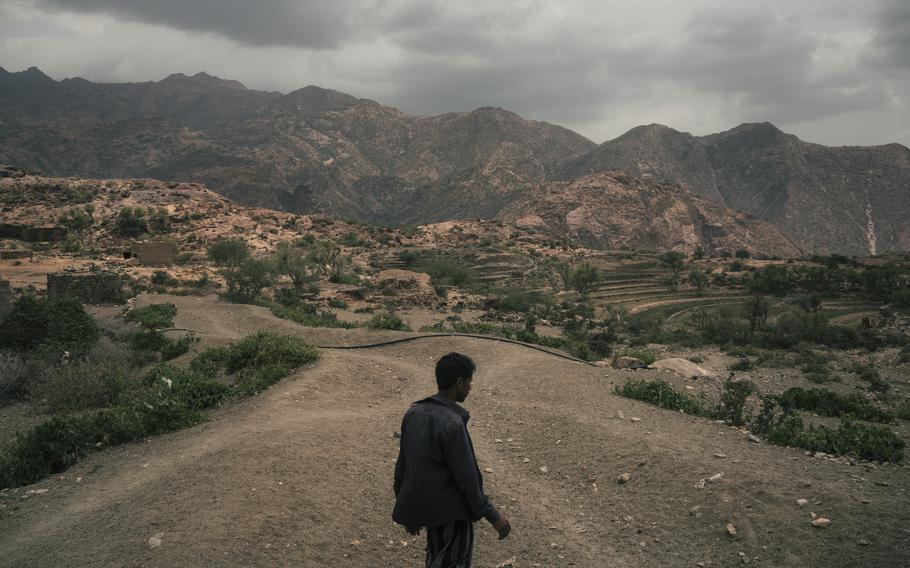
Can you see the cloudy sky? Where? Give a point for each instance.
(830, 71)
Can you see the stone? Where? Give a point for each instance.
(731, 529)
(720, 456)
(682, 367)
(155, 541)
(821, 522)
(544, 469)
(802, 502)
(624, 478)
(626, 362)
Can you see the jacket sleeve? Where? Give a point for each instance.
(399, 471)
(463, 466)
(399, 463)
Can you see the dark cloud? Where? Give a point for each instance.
(893, 36)
(305, 23)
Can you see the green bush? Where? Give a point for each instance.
(54, 326)
(13, 376)
(172, 398)
(447, 273)
(743, 364)
(831, 403)
(131, 222)
(344, 278)
(645, 357)
(162, 278)
(660, 393)
(904, 355)
(174, 349)
(870, 374)
(338, 304)
(154, 316)
(388, 320)
(733, 402)
(228, 252)
(903, 411)
(308, 315)
(246, 281)
(80, 384)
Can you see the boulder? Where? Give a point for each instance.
(682, 367)
(626, 362)
(404, 287)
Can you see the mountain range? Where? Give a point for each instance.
(316, 150)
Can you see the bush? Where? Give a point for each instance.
(741, 365)
(447, 273)
(174, 349)
(344, 278)
(54, 326)
(154, 316)
(662, 394)
(338, 304)
(870, 374)
(904, 355)
(831, 403)
(645, 357)
(258, 350)
(228, 252)
(13, 376)
(584, 278)
(80, 384)
(903, 411)
(162, 278)
(308, 315)
(131, 222)
(733, 402)
(246, 281)
(388, 320)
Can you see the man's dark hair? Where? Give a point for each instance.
(452, 367)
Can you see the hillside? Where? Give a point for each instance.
(614, 210)
(316, 150)
(846, 199)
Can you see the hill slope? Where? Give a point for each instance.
(846, 199)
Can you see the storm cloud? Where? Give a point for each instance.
(831, 71)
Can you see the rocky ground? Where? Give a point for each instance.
(301, 475)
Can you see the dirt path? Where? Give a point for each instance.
(301, 475)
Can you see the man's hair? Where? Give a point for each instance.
(452, 367)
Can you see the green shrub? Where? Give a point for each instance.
(870, 374)
(447, 273)
(388, 320)
(308, 315)
(258, 350)
(904, 355)
(662, 394)
(831, 403)
(338, 304)
(246, 281)
(131, 222)
(733, 402)
(80, 384)
(344, 278)
(903, 411)
(162, 278)
(228, 252)
(13, 376)
(869, 442)
(174, 349)
(743, 364)
(55, 325)
(645, 357)
(154, 316)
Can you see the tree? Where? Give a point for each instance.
(327, 255)
(228, 253)
(584, 278)
(698, 278)
(246, 282)
(296, 264)
(131, 222)
(742, 253)
(674, 260)
(699, 253)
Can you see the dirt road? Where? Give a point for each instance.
(301, 475)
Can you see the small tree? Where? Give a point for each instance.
(742, 253)
(246, 282)
(296, 264)
(229, 253)
(584, 278)
(698, 278)
(674, 260)
(131, 222)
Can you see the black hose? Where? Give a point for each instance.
(475, 336)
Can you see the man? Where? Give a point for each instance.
(437, 482)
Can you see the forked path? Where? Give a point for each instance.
(301, 475)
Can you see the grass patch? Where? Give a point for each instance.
(661, 393)
(388, 320)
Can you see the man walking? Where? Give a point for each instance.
(437, 482)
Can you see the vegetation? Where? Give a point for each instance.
(154, 316)
(228, 253)
(662, 394)
(831, 403)
(50, 326)
(166, 399)
(584, 278)
(388, 320)
(309, 315)
(131, 222)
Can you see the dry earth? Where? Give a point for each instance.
(302, 474)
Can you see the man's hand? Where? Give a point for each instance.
(503, 527)
(413, 530)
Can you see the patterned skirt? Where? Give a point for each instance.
(450, 546)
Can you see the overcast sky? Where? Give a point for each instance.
(830, 71)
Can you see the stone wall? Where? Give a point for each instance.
(87, 287)
(32, 234)
(155, 254)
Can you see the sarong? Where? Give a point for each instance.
(451, 545)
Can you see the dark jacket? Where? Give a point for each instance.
(437, 480)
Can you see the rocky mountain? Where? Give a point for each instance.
(315, 150)
(614, 210)
(312, 150)
(852, 200)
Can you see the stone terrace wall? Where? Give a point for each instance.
(87, 287)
